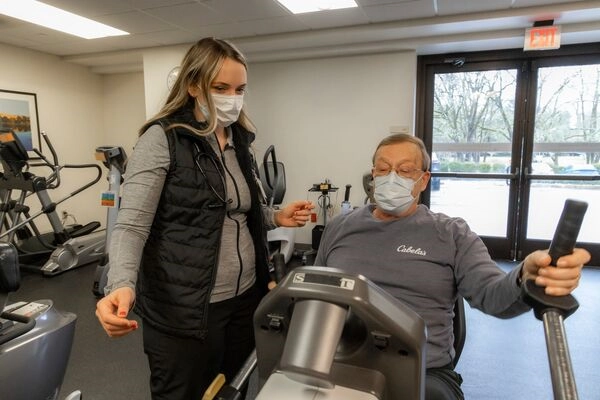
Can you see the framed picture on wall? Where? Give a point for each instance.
(18, 113)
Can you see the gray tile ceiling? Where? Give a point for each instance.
(266, 31)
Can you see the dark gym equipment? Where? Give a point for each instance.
(324, 203)
(35, 340)
(65, 247)
(273, 321)
(272, 176)
(346, 206)
(367, 181)
(298, 355)
(113, 158)
(371, 347)
(553, 310)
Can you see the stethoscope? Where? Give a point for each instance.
(197, 157)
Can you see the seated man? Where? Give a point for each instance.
(425, 259)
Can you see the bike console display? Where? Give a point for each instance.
(372, 345)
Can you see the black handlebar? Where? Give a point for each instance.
(552, 310)
(270, 152)
(568, 229)
(279, 266)
(347, 193)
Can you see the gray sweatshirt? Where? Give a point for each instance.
(423, 260)
(146, 171)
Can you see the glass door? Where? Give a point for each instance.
(473, 139)
(565, 150)
(511, 140)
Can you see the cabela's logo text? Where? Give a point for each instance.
(409, 249)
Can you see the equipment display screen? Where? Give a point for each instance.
(320, 279)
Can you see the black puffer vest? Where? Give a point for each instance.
(179, 261)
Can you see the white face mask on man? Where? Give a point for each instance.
(393, 193)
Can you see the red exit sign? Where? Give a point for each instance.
(542, 38)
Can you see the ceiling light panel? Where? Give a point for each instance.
(305, 6)
(54, 18)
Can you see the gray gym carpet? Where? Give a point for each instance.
(502, 359)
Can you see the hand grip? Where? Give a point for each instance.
(567, 230)
(562, 244)
(270, 152)
(552, 310)
(347, 193)
(279, 266)
(10, 274)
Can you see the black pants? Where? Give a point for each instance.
(182, 368)
(443, 384)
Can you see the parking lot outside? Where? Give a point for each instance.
(484, 205)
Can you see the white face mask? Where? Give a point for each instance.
(393, 193)
(228, 107)
(203, 108)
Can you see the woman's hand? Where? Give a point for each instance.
(112, 312)
(295, 214)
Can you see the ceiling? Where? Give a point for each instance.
(266, 31)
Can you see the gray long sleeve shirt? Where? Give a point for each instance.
(144, 179)
(423, 260)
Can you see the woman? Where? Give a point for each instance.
(189, 245)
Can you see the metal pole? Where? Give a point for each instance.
(244, 373)
(561, 369)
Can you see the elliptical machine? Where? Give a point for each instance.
(65, 247)
(113, 158)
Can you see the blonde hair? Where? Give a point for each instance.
(200, 66)
(403, 138)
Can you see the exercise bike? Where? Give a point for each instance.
(322, 333)
(64, 248)
(371, 347)
(35, 340)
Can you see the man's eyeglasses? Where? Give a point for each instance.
(406, 172)
(198, 159)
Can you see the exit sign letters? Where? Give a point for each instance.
(542, 38)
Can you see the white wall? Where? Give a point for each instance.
(324, 116)
(70, 104)
(124, 109)
(157, 64)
